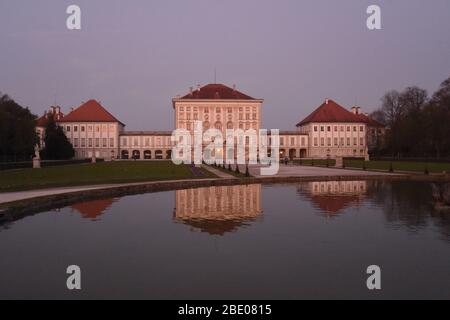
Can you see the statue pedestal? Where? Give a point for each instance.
(36, 163)
(339, 162)
(93, 159)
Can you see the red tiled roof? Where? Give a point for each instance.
(43, 120)
(91, 111)
(330, 112)
(217, 91)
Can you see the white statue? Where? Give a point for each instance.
(37, 158)
(36, 152)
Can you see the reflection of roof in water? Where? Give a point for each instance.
(331, 197)
(332, 204)
(216, 227)
(92, 209)
(218, 209)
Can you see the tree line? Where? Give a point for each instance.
(417, 125)
(18, 136)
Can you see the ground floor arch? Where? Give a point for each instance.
(124, 154)
(136, 154)
(303, 153)
(292, 154)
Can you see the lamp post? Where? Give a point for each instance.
(328, 157)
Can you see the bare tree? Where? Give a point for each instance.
(392, 108)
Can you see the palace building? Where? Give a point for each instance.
(329, 131)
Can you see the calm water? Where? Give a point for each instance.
(309, 240)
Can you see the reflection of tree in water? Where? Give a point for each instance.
(408, 204)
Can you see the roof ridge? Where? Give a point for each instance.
(90, 111)
(216, 91)
(330, 111)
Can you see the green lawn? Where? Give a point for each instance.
(399, 165)
(99, 173)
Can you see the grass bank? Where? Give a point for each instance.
(420, 167)
(98, 173)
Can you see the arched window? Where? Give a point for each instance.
(206, 125)
(218, 125)
(125, 154)
(230, 125)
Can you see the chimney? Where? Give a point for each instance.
(326, 101)
(58, 109)
(358, 110)
(355, 110)
(71, 109)
(198, 87)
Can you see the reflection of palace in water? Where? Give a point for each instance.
(217, 210)
(334, 196)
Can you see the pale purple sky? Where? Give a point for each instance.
(134, 56)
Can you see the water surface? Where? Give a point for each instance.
(292, 241)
